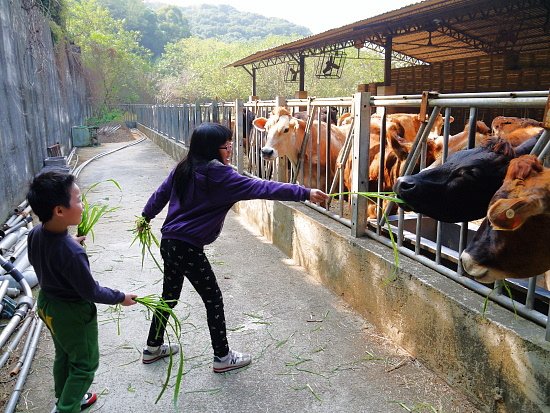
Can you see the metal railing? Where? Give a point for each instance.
(418, 237)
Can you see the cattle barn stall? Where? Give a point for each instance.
(434, 244)
(449, 47)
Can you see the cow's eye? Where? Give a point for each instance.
(286, 130)
(461, 173)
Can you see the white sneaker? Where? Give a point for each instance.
(152, 354)
(233, 360)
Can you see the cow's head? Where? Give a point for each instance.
(503, 125)
(281, 134)
(513, 240)
(524, 193)
(460, 189)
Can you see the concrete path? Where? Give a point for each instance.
(310, 352)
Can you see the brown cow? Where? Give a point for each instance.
(396, 154)
(333, 115)
(513, 240)
(392, 129)
(409, 124)
(285, 135)
(401, 130)
(459, 141)
(393, 164)
(515, 130)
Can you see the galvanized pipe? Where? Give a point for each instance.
(11, 239)
(19, 208)
(482, 95)
(541, 142)
(12, 403)
(15, 370)
(20, 223)
(77, 170)
(10, 221)
(20, 215)
(20, 264)
(15, 341)
(3, 290)
(24, 304)
(18, 249)
(497, 103)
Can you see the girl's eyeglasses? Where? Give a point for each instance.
(226, 147)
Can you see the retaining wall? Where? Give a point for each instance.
(42, 94)
(499, 360)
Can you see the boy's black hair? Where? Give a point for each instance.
(48, 190)
(206, 140)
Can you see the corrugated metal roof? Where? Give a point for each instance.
(430, 31)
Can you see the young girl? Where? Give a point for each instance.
(199, 192)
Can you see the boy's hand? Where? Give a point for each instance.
(317, 196)
(80, 239)
(129, 299)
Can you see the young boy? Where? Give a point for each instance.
(67, 289)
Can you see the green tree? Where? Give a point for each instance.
(194, 69)
(172, 24)
(226, 23)
(118, 68)
(156, 27)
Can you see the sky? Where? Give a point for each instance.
(318, 16)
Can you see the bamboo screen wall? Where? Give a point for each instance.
(493, 73)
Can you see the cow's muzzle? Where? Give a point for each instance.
(268, 153)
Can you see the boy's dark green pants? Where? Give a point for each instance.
(73, 326)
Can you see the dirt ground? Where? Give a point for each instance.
(122, 134)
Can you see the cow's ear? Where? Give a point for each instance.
(259, 123)
(510, 214)
(451, 119)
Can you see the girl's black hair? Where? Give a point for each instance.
(48, 190)
(206, 140)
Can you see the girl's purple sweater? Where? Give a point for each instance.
(214, 189)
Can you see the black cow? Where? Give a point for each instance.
(461, 188)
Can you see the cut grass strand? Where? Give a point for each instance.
(92, 213)
(386, 196)
(159, 307)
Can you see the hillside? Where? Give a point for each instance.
(226, 23)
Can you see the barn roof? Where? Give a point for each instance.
(430, 31)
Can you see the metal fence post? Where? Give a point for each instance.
(361, 143)
(283, 161)
(239, 135)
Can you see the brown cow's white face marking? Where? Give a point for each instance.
(281, 137)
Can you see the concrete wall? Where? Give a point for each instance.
(499, 360)
(176, 150)
(42, 94)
